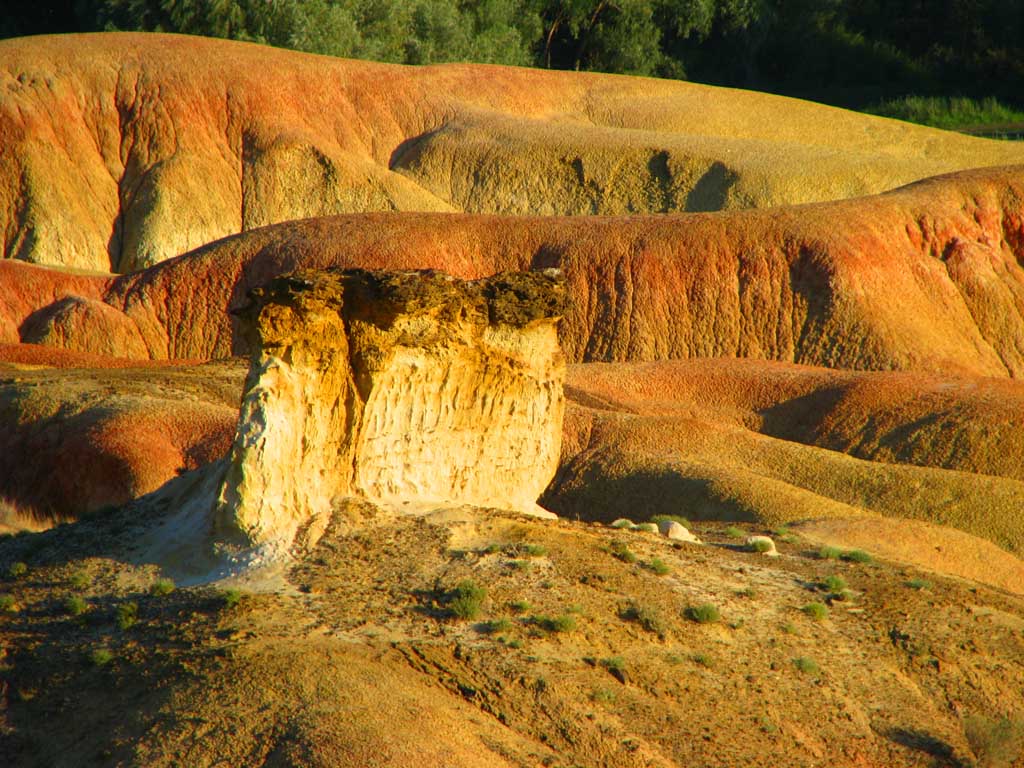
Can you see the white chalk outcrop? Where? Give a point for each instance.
(396, 387)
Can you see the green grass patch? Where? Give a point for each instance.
(614, 664)
(645, 616)
(79, 580)
(521, 606)
(127, 615)
(948, 112)
(659, 567)
(161, 587)
(231, 597)
(75, 606)
(834, 583)
(816, 611)
(829, 553)
(622, 523)
(702, 659)
(494, 626)
(761, 546)
(856, 556)
(806, 665)
(17, 570)
(7, 604)
(562, 623)
(466, 600)
(622, 552)
(100, 657)
(918, 584)
(735, 533)
(706, 613)
(747, 592)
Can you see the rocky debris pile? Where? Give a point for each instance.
(405, 387)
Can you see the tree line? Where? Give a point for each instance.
(846, 52)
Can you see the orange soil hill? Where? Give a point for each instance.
(118, 151)
(927, 277)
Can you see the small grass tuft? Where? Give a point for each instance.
(75, 606)
(231, 597)
(100, 657)
(816, 611)
(829, 553)
(603, 696)
(622, 552)
(646, 617)
(466, 600)
(494, 626)
(790, 628)
(995, 741)
(761, 546)
(79, 580)
(17, 570)
(806, 665)
(519, 565)
(747, 592)
(127, 615)
(659, 567)
(614, 664)
(534, 550)
(918, 584)
(834, 584)
(702, 659)
(856, 556)
(161, 587)
(563, 623)
(622, 523)
(521, 606)
(734, 533)
(7, 604)
(706, 613)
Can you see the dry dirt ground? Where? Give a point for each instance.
(582, 653)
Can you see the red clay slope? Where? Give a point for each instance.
(927, 277)
(118, 151)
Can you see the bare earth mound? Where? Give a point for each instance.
(118, 151)
(927, 277)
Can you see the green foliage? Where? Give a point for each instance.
(706, 613)
(79, 580)
(856, 556)
(806, 665)
(834, 583)
(702, 659)
(520, 606)
(161, 587)
(747, 592)
(75, 606)
(562, 623)
(948, 112)
(17, 570)
(645, 616)
(8, 604)
(603, 696)
(534, 550)
(127, 615)
(918, 584)
(623, 552)
(466, 600)
(659, 567)
(816, 611)
(622, 523)
(100, 657)
(614, 664)
(734, 533)
(494, 626)
(829, 553)
(761, 546)
(231, 597)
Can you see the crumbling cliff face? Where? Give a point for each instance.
(399, 387)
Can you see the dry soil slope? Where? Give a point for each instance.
(118, 151)
(927, 277)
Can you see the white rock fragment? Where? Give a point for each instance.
(676, 531)
(762, 544)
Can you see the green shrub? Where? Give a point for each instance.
(17, 570)
(919, 584)
(622, 523)
(161, 587)
(603, 696)
(829, 553)
(735, 533)
(856, 556)
(645, 527)
(100, 657)
(519, 565)
(127, 614)
(534, 550)
(658, 519)
(614, 664)
(466, 600)
(7, 604)
(706, 613)
(563, 623)
(816, 611)
(75, 606)
(622, 552)
(806, 665)
(493, 549)
(748, 592)
(948, 112)
(702, 659)
(834, 583)
(790, 628)
(231, 597)
(659, 567)
(494, 626)
(646, 617)
(79, 580)
(761, 546)
(520, 606)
